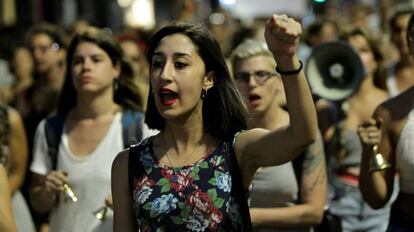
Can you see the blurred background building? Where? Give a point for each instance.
(145, 15)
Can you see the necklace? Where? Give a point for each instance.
(167, 154)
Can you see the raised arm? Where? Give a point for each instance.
(122, 200)
(377, 186)
(256, 148)
(18, 151)
(309, 211)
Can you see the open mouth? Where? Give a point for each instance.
(254, 97)
(167, 96)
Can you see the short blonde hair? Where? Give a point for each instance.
(247, 49)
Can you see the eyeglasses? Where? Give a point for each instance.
(259, 76)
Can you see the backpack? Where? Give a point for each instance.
(131, 132)
(135, 168)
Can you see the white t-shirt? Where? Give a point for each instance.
(89, 178)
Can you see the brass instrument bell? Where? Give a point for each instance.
(68, 194)
(377, 161)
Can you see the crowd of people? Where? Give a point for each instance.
(175, 130)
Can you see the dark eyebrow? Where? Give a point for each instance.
(93, 55)
(176, 54)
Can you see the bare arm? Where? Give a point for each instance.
(313, 195)
(7, 223)
(122, 200)
(256, 148)
(18, 151)
(376, 187)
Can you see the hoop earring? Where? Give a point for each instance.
(203, 94)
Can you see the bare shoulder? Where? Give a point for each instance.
(14, 116)
(120, 163)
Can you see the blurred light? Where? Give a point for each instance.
(319, 1)
(217, 18)
(55, 47)
(228, 2)
(141, 14)
(124, 3)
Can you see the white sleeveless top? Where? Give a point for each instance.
(89, 178)
(405, 155)
(392, 85)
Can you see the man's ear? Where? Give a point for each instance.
(208, 80)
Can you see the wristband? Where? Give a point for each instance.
(292, 72)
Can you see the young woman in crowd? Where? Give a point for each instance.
(97, 91)
(13, 158)
(185, 181)
(343, 147)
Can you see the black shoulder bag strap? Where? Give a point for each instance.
(238, 187)
(53, 132)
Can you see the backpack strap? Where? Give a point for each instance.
(53, 132)
(238, 187)
(131, 127)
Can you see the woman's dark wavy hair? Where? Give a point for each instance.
(125, 91)
(223, 110)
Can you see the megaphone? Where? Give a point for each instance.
(334, 70)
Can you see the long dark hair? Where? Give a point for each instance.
(125, 91)
(223, 110)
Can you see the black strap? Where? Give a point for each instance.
(238, 187)
(131, 132)
(53, 132)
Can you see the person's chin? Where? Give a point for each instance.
(255, 109)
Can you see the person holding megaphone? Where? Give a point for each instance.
(339, 123)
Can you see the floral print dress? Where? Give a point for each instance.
(195, 197)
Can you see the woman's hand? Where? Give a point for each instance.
(282, 35)
(55, 180)
(370, 132)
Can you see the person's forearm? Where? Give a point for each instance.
(42, 200)
(6, 222)
(298, 216)
(373, 185)
(300, 104)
